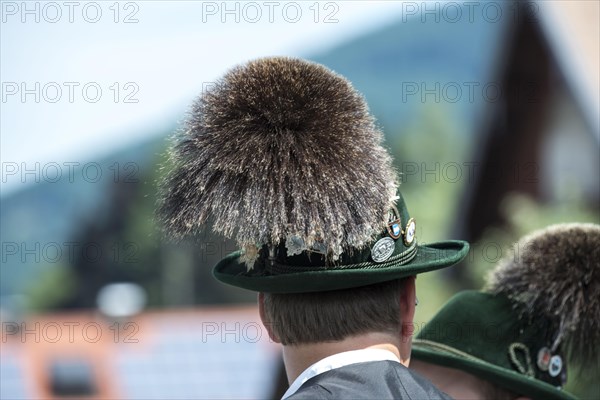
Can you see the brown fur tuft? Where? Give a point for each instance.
(280, 149)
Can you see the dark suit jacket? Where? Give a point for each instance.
(369, 380)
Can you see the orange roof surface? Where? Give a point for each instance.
(219, 352)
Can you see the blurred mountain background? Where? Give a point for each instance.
(119, 204)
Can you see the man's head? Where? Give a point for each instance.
(319, 317)
(301, 318)
(539, 308)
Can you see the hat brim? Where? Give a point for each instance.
(231, 270)
(520, 384)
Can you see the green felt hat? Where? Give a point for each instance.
(482, 334)
(386, 258)
(283, 156)
(540, 306)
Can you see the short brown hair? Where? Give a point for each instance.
(300, 318)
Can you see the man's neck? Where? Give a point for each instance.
(297, 358)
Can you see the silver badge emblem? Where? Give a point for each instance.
(555, 366)
(383, 249)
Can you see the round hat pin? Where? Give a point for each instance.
(394, 223)
(410, 231)
(555, 366)
(382, 249)
(543, 358)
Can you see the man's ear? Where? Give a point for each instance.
(408, 298)
(263, 317)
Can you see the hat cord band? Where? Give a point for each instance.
(399, 259)
(440, 346)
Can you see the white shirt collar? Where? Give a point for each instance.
(337, 361)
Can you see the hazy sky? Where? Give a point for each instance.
(82, 79)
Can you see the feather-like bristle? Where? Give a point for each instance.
(554, 275)
(280, 148)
